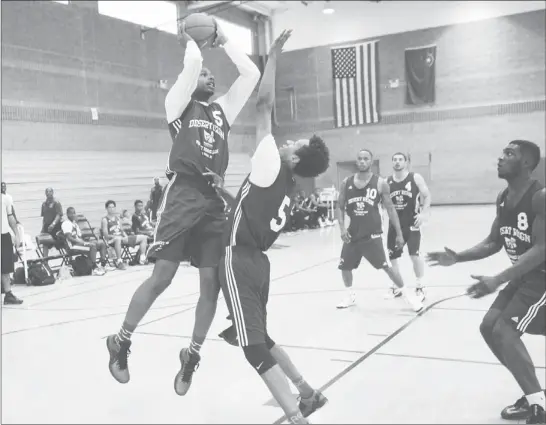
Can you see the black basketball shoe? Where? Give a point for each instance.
(519, 410)
(537, 415)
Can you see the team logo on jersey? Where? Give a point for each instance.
(510, 243)
(209, 139)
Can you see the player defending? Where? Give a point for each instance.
(254, 224)
(191, 216)
(411, 199)
(359, 197)
(519, 307)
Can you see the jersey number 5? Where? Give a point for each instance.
(278, 223)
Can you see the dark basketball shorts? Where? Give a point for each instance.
(190, 224)
(244, 277)
(7, 254)
(412, 238)
(371, 249)
(523, 304)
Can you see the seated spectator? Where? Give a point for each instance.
(297, 215)
(310, 209)
(126, 223)
(76, 244)
(115, 236)
(321, 209)
(52, 213)
(141, 223)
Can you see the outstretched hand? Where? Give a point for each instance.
(445, 258)
(485, 285)
(279, 43)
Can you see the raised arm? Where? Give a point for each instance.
(266, 162)
(238, 94)
(534, 257)
(179, 95)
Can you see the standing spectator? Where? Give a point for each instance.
(4, 192)
(155, 197)
(141, 223)
(52, 213)
(8, 221)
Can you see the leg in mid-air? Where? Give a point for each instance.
(206, 251)
(172, 245)
(143, 298)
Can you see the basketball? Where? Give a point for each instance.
(202, 28)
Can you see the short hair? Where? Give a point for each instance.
(314, 158)
(110, 202)
(530, 150)
(366, 150)
(138, 201)
(401, 154)
(70, 209)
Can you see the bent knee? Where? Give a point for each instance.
(259, 356)
(505, 331)
(488, 322)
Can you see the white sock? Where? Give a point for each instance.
(350, 291)
(537, 398)
(419, 282)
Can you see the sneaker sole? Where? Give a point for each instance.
(111, 362)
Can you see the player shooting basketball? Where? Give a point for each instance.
(191, 216)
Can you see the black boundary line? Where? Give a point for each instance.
(446, 359)
(374, 349)
(50, 325)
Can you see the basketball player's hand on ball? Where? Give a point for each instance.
(279, 43)
(442, 258)
(486, 285)
(183, 36)
(216, 180)
(221, 37)
(345, 236)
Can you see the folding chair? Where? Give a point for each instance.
(90, 233)
(58, 245)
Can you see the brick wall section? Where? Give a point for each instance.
(489, 89)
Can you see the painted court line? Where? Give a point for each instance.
(377, 347)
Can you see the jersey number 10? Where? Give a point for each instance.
(278, 223)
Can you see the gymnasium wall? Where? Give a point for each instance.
(59, 61)
(489, 89)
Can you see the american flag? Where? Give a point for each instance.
(355, 71)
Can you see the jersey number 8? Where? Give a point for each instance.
(523, 222)
(278, 223)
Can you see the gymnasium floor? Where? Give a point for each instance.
(378, 362)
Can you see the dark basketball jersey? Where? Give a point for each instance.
(406, 199)
(199, 140)
(114, 226)
(260, 214)
(516, 224)
(362, 207)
